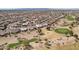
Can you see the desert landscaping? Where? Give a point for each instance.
(39, 30)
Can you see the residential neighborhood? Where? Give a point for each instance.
(50, 29)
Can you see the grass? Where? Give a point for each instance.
(13, 45)
(24, 42)
(33, 39)
(70, 18)
(63, 31)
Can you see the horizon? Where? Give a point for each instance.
(39, 8)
